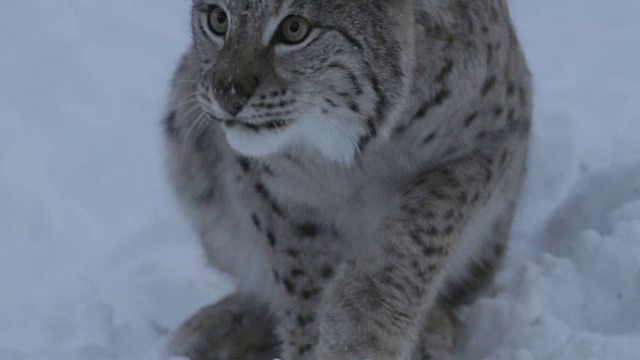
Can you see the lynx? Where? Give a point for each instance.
(353, 164)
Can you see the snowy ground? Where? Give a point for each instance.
(94, 260)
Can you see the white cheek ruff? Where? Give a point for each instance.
(326, 135)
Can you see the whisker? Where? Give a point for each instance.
(189, 101)
(193, 125)
(204, 123)
(192, 110)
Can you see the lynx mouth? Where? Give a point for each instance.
(271, 125)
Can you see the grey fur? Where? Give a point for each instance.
(367, 184)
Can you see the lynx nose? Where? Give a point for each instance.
(233, 92)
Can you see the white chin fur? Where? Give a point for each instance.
(318, 133)
(258, 144)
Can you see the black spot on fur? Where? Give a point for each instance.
(307, 229)
(371, 133)
(400, 129)
(445, 71)
(449, 215)
(296, 272)
(448, 230)
(267, 170)
(438, 99)
(427, 250)
(354, 107)
(304, 349)
(441, 96)
(429, 138)
(256, 220)
(432, 250)
(308, 294)
(327, 272)
(470, 119)
(289, 286)
(276, 209)
(511, 89)
(265, 195)
(489, 85)
(330, 102)
(261, 190)
(272, 239)
(482, 135)
(304, 320)
(381, 105)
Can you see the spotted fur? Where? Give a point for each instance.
(359, 186)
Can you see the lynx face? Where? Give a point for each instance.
(280, 73)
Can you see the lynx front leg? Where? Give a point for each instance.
(298, 327)
(374, 308)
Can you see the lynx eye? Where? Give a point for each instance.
(294, 30)
(218, 21)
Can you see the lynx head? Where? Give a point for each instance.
(320, 74)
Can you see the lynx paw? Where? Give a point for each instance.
(234, 329)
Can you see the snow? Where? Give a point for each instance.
(96, 263)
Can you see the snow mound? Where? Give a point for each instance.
(579, 298)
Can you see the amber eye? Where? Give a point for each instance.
(294, 30)
(218, 21)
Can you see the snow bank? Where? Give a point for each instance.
(579, 298)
